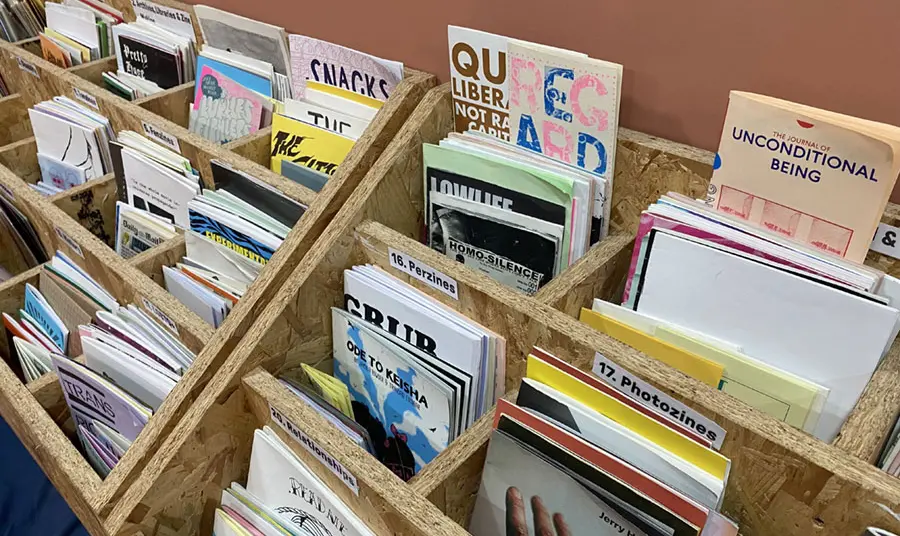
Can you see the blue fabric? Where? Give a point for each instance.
(29, 504)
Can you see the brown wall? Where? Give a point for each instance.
(681, 57)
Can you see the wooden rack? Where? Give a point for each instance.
(782, 480)
(85, 216)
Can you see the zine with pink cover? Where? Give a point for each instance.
(651, 221)
(223, 109)
(342, 67)
(239, 519)
(564, 105)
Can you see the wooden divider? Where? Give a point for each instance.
(93, 206)
(36, 411)
(381, 500)
(782, 481)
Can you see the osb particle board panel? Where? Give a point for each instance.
(173, 104)
(383, 502)
(93, 205)
(14, 119)
(123, 115)
(20, 157)
(332, 197)
(144, 507)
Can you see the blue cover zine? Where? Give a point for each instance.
(407, 410)
(47, 319)
(249, 80)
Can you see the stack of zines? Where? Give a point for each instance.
(242, 76)
(25, 243)
(762, 294)
(522, 212)
(78, 31)
(21, 19)
(336, 93)
(73, 144)
(283, 497)
(154, 185)
(410, 374)
(127, 361)
(233, 232)
(150, 59)
(574, 456)
(317, 96)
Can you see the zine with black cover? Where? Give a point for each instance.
(148, 62)
(280, 207)
(645, 513)
(507, 251)
(489, 193)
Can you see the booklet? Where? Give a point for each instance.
(406, 407)
(818, 177)
(307, 145)
(279, 480)
(335, 65)
(224, 110)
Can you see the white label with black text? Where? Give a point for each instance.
(28, 67)
(73, 245)
(886, 240)
(424, 273)
(174, 20)
(161, 136)
(661, 403)
(313, 448)
(86, 98)
(161, 316)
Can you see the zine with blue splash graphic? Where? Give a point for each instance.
(407, 410)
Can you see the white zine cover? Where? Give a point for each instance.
(479, 84)
(326, 118)
(828, 336)
(461, 348)
(90, 397)
(508, 467)
(157, 189)
(67, 142)
(407, 402)
(283, 483)
(338, 66)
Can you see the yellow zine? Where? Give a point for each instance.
(307, 145)
(85, 51)
(695, 366)
(706, 459)
(344, 94)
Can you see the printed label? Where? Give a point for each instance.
(86, 98)
(886, 240)
(161, 316)
(7, 192)
(424, 273)
(73, 245)
(161, 137)
(651, 397)
(174, 20)
(499, 268)
(28, 67)
(313, 448)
